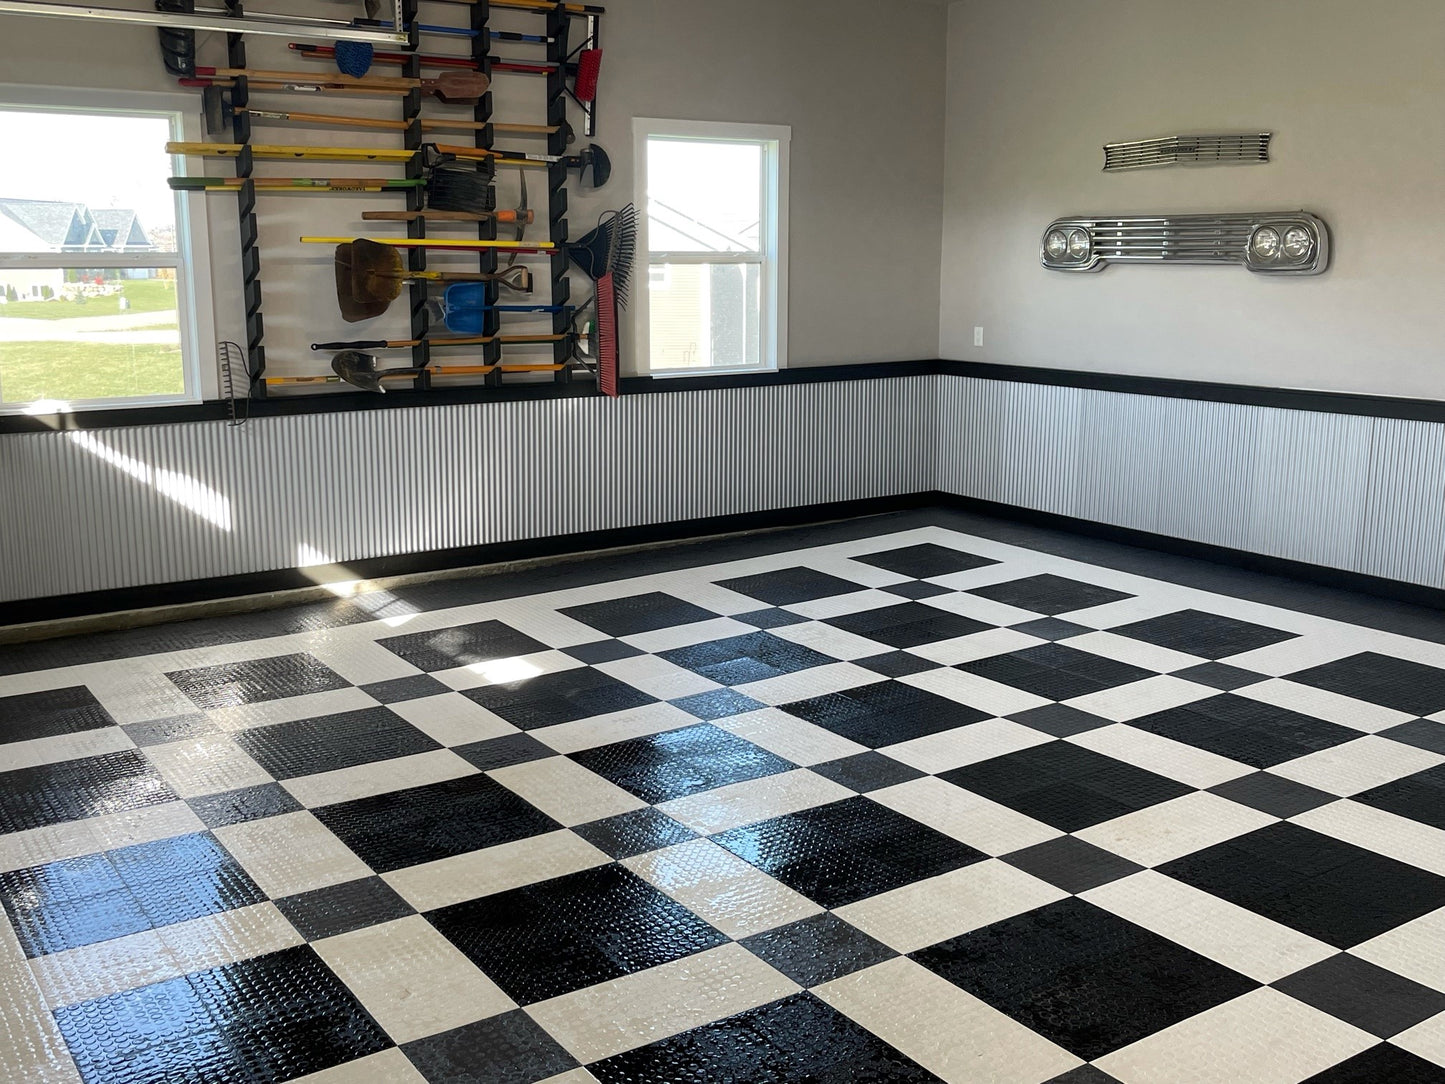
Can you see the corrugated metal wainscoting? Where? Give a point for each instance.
(1355, 493)
(113, 508)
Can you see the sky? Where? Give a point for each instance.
(102, 161)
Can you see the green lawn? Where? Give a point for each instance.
(145, 295)
(62, 370)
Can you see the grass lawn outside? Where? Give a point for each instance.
(88, 370)
(144, 295)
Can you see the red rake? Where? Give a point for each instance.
(607, 354)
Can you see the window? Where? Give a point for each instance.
(715, 197)
(98, 287)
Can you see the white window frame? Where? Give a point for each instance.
(772, 260)
(191, 260)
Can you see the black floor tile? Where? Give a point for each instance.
(867, 771)
(634, 833)
(1421, 797)
(421, 824)
(339, 909)
(718, 704)
(794, 1040)
(637, 614)
(1273, 794)
(603, 651)
(1060, 720)
(1359, 993)
(917, 589)
(248, 804)
(1048, 594)
(1065, 785)
(74, 789)
(1334, 891)
(1072, 864)
(1052, 628)
(788, 586)
(407, 688)
(256, 680)
(676, 763)
(924, 561)
(818, 949)
(1249, 731)
(269, 1019)
(503, 752)
(177, 728)
(1084, 978)
(846, 851)
(772, 618)
(1383, 1064)
(896, 664)
(1056, 672)
(1421, 733)
(738, 660)
(506, 1049)
(1206, 635)
(50, 713)
(1219, 675)
(561, 935)
(909, 624)
(462, 645)
(1381, 679)
(330, 742)
(561, 697)
(1084, 1074)
(884, 713)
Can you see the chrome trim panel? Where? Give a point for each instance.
(1230, 148)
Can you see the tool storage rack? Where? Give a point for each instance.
(558, 25)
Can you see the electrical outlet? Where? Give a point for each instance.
(978, 336)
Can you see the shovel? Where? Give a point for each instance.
(360, 370)
(369, 277)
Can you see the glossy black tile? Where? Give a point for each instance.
(1065, 785)
(718, 704)
(1072, 864)
(505, 1049)
(51, 713)
(924, 561)
(1055, 672)
(1082, 977)
(818, 949)
(884, 713)
(256, 680)
(74, 789)
(1249, 731)
(1219, 675)
(1060, 720)
(917, 589)
(896, 664)
(788, 586)
(407, 688)
(331, 742)
(637, 614)
(1049, 595)
(269, 1019)
(1421, 797)
(1382, 1064)
(1421, 733)
(1381, 679)
(867, 771)
(603, 651)
(797, 1039)
(177, 728)
(561, 935)
(846, 851)
(339, 909)
(1084, 1074)
(462, 645)
(248, 804)
(561, 697)
(1206, 635)
(1334, 891)
(503, 752)
(1359, 993)
(771, 618)
(676, 763)
(738, 660)
(634, 833)
(421, 824)
(1052, 628)
(909, 624)
(1273, 794)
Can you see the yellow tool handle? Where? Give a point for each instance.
(427, 243)
(280, 151)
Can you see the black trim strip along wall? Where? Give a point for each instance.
(1325, 402)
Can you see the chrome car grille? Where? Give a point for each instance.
(1237, 148)
(1220, 238)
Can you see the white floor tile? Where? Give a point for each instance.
(1134, 652)
(1331, 707)
(614, 727)
(1141, 698)
(819, 681)
(1377, 830)
(1162, 756)
(452, 719)
(964, 688)
(796, 740)
(206, 765)
(369, 780)
(969, 818)
(948, 749)
(1170, 830)
(657, 677)
(494, 869)
(62, 747)
(1358, 765)
(566, 791)
(1425, 1040)
(1415, 950)
(754, 800)
(975, 646)
(291, 853)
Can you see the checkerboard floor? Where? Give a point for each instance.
(914, 806)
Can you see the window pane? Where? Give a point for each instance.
(704, 197)
(705, 316)
(82, 182)
(67, 334)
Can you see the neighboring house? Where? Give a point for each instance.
(32, 225)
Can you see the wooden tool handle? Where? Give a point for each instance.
(477, 126)
(336, 78)
(449, 216)
(326, 118)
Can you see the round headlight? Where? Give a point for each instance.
(1078, 244)
(1297, 242)
(1056, 244)
(1265, 243)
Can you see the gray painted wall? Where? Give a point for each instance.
(1352, 91)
